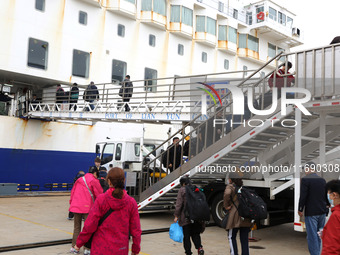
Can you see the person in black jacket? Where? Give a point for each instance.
(127, 91)
(74, 95)
(172, 159)
(60, 96)
(90, 95)
(313, 198)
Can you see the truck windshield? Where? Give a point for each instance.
(149, 147)
(107, 155)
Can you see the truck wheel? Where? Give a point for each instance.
(217, 209)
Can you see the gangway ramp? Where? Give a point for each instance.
(311, 138)
(174, 99)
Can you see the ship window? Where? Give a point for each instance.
(245, 68)
(204, 57)
(158, 6)
(222, 32)
(281, 50)
(282, 18)
(226, 64)
(81, 63)
(150, 75)
(146, 5)
(249, 18)
(242, 41)
(272, 13)
(200, 23)
(83, 18)
(271, 50)
(180, 49)
(152, 40)
(211, 26)
(232, 35)
(187, 16)
(289, 22)
(205, 24)
(131, 1)
(118, 151)
(235, 14)
(175, 13)
(40, 5)
(108, 151)
(121, 30)
(253, 43)
(258, 10)
(178, 15)
(118, 70)
(37, 53)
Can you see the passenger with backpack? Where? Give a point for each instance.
(191, 228)
(236, 223)
(90, 95)
(83, 195)
(113, 218)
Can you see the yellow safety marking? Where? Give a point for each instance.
(39, 224)
(36, 223)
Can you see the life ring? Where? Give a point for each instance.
(260, 16)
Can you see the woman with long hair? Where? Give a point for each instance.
(235, 222)
(112, 236)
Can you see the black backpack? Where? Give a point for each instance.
(251, 205)
(196, 208)
(104, 184)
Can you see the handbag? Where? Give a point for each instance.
(89, 242)
(225, 221)
(176, 232)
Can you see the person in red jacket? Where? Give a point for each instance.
(331, 232)
(112, 236)
(83, 194)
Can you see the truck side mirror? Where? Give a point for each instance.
(97, 149)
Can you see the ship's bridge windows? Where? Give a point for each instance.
(158, 6)
(246, 41)
(289, 22)
(118, 70)
(181, 14)
(272, 13)
(205, 24)
(150, 75)
(81, 63)
(37, 53)
(204, 57)
(180, 49)
(152, 40)
(83, 18)
(40, 5)
(226, 64)
(235, 14)
(121, 30)
(282, 18)
(271, 50)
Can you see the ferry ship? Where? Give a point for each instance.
(50, 42)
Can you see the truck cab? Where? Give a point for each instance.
(127, 154)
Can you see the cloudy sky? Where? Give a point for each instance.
(319, 20)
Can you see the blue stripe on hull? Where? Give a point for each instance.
(41, 166)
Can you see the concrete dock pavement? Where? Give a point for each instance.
(39, 219)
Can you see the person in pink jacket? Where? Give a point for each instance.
(84, 192)
(112, 236)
